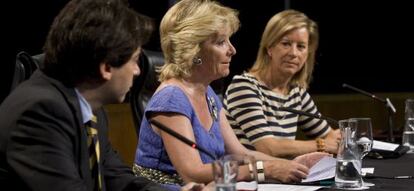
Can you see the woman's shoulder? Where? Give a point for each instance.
(244, 79)
(298, 89)
(168, 90)
(168, 96)
(247, 77)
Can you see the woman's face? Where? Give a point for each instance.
(216, 53)
(290, 54)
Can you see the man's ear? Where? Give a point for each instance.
(105, 71)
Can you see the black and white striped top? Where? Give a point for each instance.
(251, 109)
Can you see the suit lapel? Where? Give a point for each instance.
(81, 148)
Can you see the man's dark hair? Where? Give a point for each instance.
(89, 32)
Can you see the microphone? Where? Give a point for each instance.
(386, 101)
(330, 120)
(182, 138)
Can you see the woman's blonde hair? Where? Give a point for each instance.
(183, 29)
(277, 27)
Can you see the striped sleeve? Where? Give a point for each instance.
(310, 126)
(244, 110)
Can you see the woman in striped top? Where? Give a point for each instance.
(279, 78)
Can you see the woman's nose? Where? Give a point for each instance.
(293, 51)
(232, 49)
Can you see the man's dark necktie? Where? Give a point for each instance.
(94, 152)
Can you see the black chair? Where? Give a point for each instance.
(24, 67)
(145, 84)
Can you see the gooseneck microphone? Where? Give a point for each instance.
(363, 92)
(181, 138)
(330, 120)
(388, 105)
(385, 101)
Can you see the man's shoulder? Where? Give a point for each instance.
(36, 94)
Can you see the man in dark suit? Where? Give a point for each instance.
(91, 56)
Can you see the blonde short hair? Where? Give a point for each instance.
(277, 27)
(183, 29)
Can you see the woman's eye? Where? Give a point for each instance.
(285, 44)
(221, 42)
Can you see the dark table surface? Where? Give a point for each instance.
(402, 166)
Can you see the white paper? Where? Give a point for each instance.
(365, 171)
(281, 187)
(380, 145)
(323, 169)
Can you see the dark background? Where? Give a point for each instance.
(368, 44)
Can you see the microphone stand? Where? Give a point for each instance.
(390, 108)
(182, 138)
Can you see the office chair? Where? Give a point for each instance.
(24, 66)
(145, 84)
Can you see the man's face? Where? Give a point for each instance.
(122, 79)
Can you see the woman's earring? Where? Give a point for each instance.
(197, 61)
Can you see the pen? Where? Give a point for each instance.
(318, 183)
(403, 177)
(386, 177)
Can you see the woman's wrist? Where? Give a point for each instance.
(320, 145)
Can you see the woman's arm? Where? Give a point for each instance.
(274, 168)
(184, 158)
(285, 148)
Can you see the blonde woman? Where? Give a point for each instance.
(280, 78)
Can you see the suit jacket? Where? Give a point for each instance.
(43, 144)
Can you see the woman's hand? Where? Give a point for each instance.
(310, 159)
(332, 141)
(285, 171)
(192, 186)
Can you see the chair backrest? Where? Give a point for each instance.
(24, 66)
(145, 84)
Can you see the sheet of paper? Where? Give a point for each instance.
(380, 145)
(368, 170)
(324, 169)
(281, 187)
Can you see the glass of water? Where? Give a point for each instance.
(226, 170)
(348, 164)
(363, 138)
(408, 135)
(363, 134)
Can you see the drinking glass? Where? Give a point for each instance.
(348, 164)
(363, 137)
(363, 134)
(226, 169)
(408, 135)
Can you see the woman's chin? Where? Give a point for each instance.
(225, 73)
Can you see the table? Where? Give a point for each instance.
(403, 165)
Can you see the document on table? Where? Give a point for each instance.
(277, 187)
(324, 169)
(380, 145)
